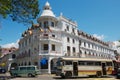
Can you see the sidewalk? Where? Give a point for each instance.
(7, 74)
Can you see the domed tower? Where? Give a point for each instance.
(47, 18)
(50, 44)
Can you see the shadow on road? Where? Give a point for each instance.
(81, 77)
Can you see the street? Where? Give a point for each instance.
(52, 77)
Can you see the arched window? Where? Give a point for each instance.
(29, 53)
(85, 53)
(25, 63)
(13, 56)
(52, 24)
(29, 63)
(46, 24)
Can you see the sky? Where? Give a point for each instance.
(100, 18)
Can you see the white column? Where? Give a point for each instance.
(49, 45)
(49, 65)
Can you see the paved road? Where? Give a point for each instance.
(52, 77)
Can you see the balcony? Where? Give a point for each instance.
(46, 52)
(47, 37)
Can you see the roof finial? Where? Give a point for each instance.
(47, 6)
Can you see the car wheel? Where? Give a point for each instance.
(15, 75)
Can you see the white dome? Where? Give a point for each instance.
(47, 10)
(47, 13)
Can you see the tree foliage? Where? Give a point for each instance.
(22, 11)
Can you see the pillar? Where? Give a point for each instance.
(49, 65)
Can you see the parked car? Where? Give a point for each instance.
(2, 70)
(30, 71)
(118, 73)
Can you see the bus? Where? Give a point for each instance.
(78, 67)
(116, 66)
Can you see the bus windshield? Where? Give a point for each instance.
(59, 63)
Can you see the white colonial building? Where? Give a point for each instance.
(54, 37)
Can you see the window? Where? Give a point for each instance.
(29, 63)
(45, 47)
(45, 34)
(30, 68)
(97, 63)
(68, 48)
(67, 27)
(29, 53)
(74, 50)
(22, 68)
(68, 62)
(73, 41)
(79, 42)
(85, 53)
(81, 62)
(53, 47)
(73, 30)
(88, 45)
(13, 56)
(90, 63)
(25, 63)
(53, 35)
(109, 63)
(45, 24)
(68, 39)
(84, 44)
(92, 46)
(52, 24)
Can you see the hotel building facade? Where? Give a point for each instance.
(55, 37)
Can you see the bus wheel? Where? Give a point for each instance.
(30, 75)
(62, 75)
(98, 74)
(68, 74)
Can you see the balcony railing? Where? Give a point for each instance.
(49, 52)
(50, 38)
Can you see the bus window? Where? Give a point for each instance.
(59, 63)
(90, 63)
(97, 63)
(109, 63)
(81, 62)
(68, 62)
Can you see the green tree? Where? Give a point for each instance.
(21, 11)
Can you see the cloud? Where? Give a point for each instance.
(101, 37)
(9, 45)
(117, 45)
